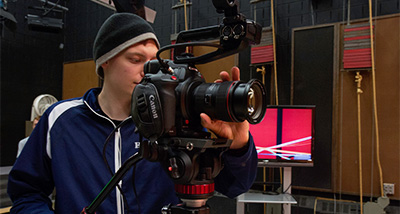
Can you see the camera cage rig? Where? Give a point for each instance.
(191, 162)
(235, 33)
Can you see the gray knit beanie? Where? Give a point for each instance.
(118, 32)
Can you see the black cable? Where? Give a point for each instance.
(134, 188)
(108, 166)
(133, 179)
(105, 146)
(287, 188)
(186, 44)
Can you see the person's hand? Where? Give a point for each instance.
(238, 132)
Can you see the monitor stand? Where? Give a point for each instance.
(287, 186)
(283, 199)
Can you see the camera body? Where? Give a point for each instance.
(159, 105)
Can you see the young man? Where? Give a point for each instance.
(65, 150)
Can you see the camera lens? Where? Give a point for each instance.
(233, 101)
(238, 31)
(226, 32)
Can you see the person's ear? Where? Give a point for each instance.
(104, 65)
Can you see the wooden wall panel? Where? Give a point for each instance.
(387, 55)
(388, 93)
(78, 77)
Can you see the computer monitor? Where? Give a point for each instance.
(285, 137)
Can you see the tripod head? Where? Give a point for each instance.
(192, 165)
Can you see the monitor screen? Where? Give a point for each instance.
(286, 136)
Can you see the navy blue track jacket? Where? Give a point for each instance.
(65, 152)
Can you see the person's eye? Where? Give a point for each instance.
(135, 60)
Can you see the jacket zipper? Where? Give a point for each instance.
(117, 157)
(117, 162)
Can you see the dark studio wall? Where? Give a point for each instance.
(31, 64)
(81, 26)
(31, 61)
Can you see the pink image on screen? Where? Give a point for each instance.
(285, 138)
(296, 133)
(264, 134)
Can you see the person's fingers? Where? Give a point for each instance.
(224, 76)
(206, 121)
(235, 73)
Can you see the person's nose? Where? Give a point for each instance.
(142, 73)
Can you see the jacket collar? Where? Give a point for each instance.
(90, 97)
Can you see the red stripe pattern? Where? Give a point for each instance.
(264, 52)
(357, 46)
(194, 189)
